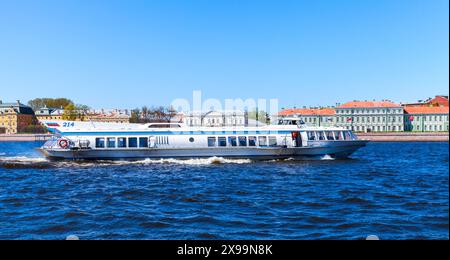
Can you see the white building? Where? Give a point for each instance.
(216, 118)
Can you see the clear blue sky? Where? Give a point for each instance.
(125, 54)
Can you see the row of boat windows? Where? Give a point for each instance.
(121, 142)
(130, 142)
(330, 135)
(223, 141)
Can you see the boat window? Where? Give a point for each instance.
(232, 140)
(262, 140)
(143, 142)
(354, 137)
(100, 142)
(121, 142)
(311, 136)
(252, 141)
(320, 135)
(329, 135)
(337, 135)
(347, 135)
(242, 141)
(162, 125)
(191, 139)
(272, 141)
(222, 141)
(132, 142)
(111, 142)
(211, 141)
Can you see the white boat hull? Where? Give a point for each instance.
(336, 149)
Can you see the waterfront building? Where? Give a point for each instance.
(115, 111)
(426, 119)
(370, 116)
(47, 113)
(101, 115)
(437, 101)
(15, 117)
(312, 116)
(108, 118)
(216, 118)
(50, 113)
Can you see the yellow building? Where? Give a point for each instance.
(15, 117)
(46, 113)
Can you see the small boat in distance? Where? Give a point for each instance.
(290, 138)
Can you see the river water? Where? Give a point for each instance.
(392, 190)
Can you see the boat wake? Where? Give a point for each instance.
(22, 162)
(198, 161)
(23, 159)
(327, 157)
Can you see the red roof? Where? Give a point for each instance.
(362, 104)
(439, 101)
(308, 111)
(426, 110)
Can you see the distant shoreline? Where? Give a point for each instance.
(374, 137)
(405, 137)
(24, 137)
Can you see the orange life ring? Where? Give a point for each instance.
(63, 143)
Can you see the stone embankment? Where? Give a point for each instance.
(24, 137)
(405, 137)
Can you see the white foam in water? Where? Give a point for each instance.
(199, 161)
(327, 157)
(282, 160)
(23, 159)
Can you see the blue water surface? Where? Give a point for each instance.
(392, 190)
